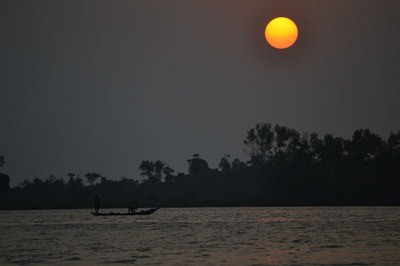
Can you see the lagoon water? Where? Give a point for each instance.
(204, 236)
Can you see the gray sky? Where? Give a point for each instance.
(101, 85)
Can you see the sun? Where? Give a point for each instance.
(281, 33)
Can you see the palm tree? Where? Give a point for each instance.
(147, 168)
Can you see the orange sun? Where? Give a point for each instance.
(281, 33)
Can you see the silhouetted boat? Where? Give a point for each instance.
(143, 212)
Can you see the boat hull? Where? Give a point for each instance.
(145, 212)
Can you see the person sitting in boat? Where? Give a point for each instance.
(132, 210)
(96, 204)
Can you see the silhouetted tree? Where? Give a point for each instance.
(37, 182)
(168, 170)
(158, 170)
(4, 179)
(25, 183)
(92, 177)
(259, 142)
(197, 166)
(238, 166)
(147, 168)
(75, 183)
(153, 174)
(284, 167)
(71, 177)
(4, 183)
(224, 164)
(2, 161)
(169, 177)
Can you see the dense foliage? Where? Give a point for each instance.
(284, 168)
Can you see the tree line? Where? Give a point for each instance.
(284, 168)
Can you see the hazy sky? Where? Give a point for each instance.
(101, 85)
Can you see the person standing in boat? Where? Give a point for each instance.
(96, 203)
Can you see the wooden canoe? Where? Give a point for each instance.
(142, 212)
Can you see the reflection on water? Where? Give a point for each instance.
(213, 236)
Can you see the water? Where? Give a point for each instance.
(204, 236)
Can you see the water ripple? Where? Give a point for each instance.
(199, 236)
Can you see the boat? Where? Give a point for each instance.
(142, 212)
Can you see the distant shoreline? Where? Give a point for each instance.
(199, 207)
(284, 168)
